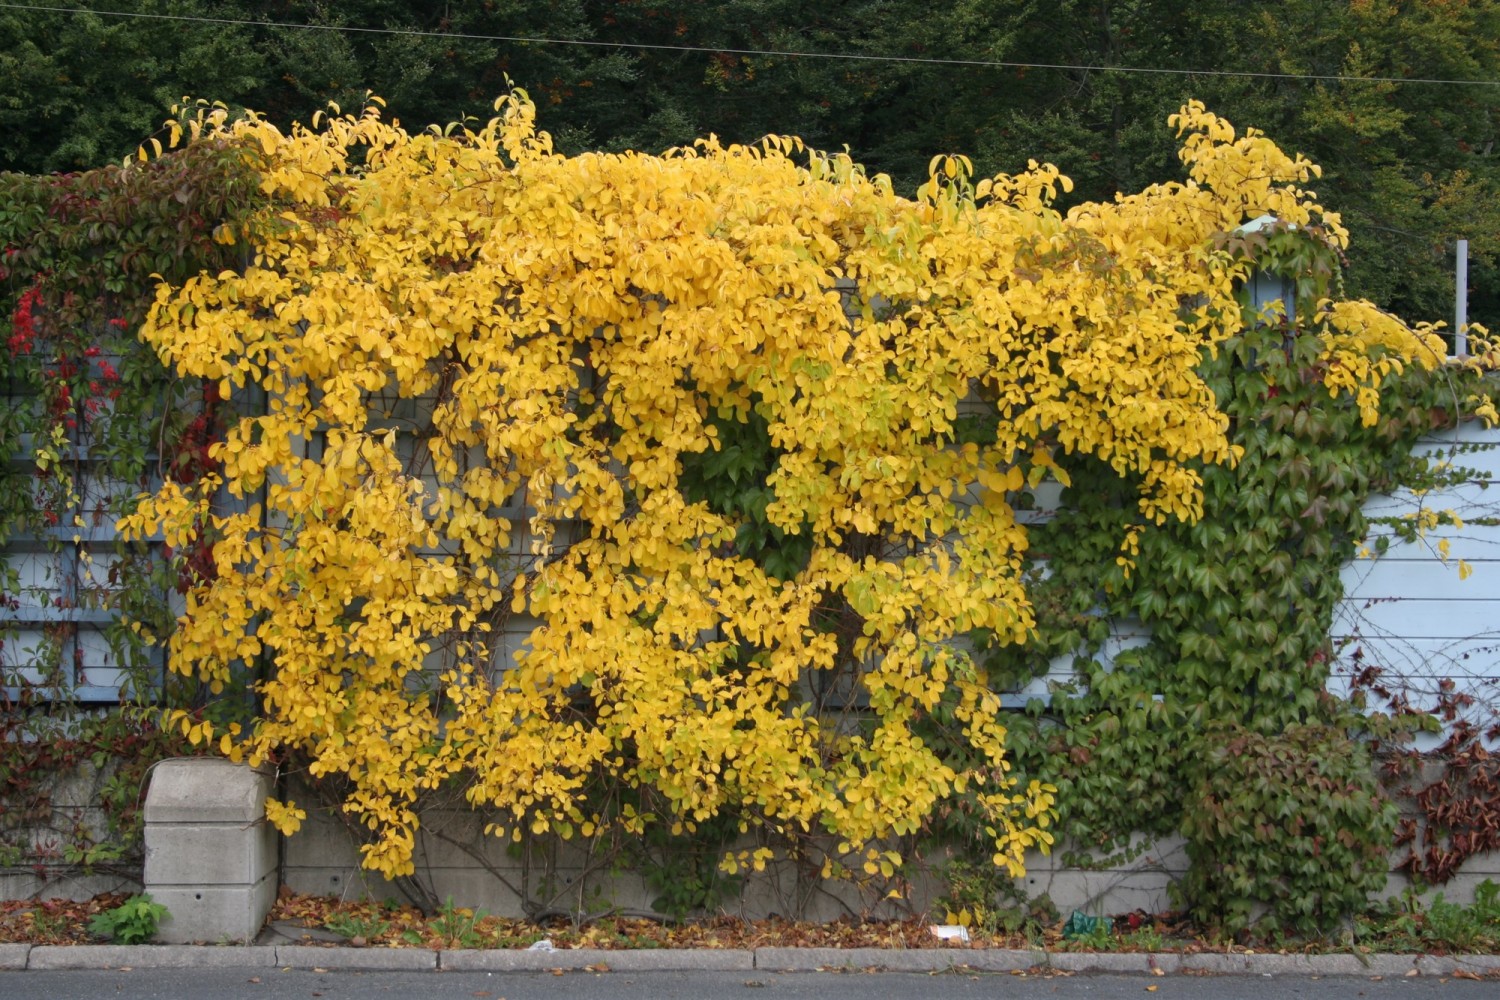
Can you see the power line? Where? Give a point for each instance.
(779, 53)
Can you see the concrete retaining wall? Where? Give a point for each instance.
(73, 817)
(323, 858)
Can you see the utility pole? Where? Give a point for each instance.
(1461, 303)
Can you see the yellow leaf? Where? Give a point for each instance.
(285, 817)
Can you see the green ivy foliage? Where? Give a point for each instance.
(1287, 830)
(1238, 608)
(732, 481)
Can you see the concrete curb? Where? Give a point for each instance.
(56, 957)
(305, 956)
(645, 960)
(1446, 965)
(897, 960)
(994, 959)
(1240, 964)
(149, 956)
(1082, 961)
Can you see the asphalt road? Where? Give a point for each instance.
(275, 984)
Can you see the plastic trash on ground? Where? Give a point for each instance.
(1082, 925)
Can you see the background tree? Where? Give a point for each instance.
(82, 90)
(1413, 166)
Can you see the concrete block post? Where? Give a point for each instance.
(210, 854)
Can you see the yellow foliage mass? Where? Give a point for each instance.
(568, 331)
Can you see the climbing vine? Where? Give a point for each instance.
(743, 431)
(1229, 615)
(740, 448)
(89, 419)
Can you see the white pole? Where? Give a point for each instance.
(1461, 303)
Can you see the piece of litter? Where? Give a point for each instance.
(545, 944)
(950, 932)
(1081, 925)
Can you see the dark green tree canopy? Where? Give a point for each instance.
(1412, 165)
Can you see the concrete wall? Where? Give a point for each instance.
(1410, 613)
(76, 817)
(323, 859)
